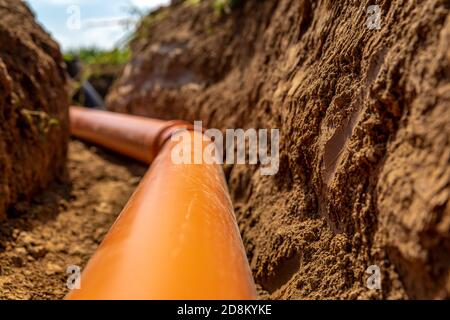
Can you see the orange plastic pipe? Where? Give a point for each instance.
(177, 237)
(137, 137)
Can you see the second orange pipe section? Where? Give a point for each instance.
(137, 137)
(177, 237)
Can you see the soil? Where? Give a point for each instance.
(363, 114)
(33, 107)
(64, 225)
(365, 137)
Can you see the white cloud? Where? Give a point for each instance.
(64, 2)
(145, 4)
(53, 16)
(105, 38)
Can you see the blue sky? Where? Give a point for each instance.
(54, 16)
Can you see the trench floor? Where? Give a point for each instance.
(63, 225)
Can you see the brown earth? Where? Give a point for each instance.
(33, 106)
(64, 225)
(365, 125)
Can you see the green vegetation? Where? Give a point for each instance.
(225, 6)
(44, 121)
(143, 30)
(90, 56)
(193, 2)
(220, 6)
(96, 65)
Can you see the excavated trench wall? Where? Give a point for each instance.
(33, 108)
(365, 133)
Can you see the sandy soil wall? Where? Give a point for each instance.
(33, 107)
(365, 125)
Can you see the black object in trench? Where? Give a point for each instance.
(92, 97)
